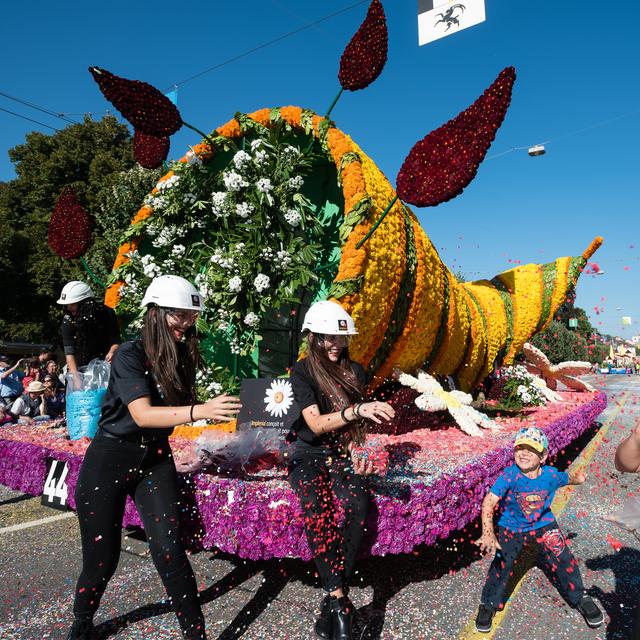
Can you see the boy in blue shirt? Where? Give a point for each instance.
(525, 491)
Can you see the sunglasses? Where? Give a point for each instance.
(182, 315)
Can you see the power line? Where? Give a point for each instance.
(267, 44)
(37, 107)
(595, 125)
(42, 124)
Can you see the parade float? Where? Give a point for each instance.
(279, 208)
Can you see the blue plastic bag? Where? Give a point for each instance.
(85, 392)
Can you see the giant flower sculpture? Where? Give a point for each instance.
(457, 403)
(565, 372)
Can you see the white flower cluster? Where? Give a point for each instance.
(223, 262)
(235, 284)
(206, 380)
(157, 203)
(202, 284)
(264, 185)
(261, 282)
(167, 184)
(523, 394)
(189, 198)
(244, 209)
(165, 237)
(178, 250)
(283, 260)
(150, 268)
(293, 217)
(296, 182)
(218, 199)
(241, 160)
(233, 181)
(251, 319)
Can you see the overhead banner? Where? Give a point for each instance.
(439, 18)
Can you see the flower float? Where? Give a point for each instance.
(458, 403)
(409, 308)
(564, 372)
(150, 151)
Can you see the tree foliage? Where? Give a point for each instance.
(90, 157)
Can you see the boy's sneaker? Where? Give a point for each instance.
(484, 619)
(591, 612)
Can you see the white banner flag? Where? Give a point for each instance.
(440, 18)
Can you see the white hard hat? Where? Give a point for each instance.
(173, 292)
(329, 318)
(75, 291)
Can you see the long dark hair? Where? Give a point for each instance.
(173, 364)
(337, 383)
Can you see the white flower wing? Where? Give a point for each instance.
(465, 421)
(536, 357)
(576, 384)
(429, 402)
(571, 368)
(461, 396)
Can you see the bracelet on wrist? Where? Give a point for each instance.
(342, 414)
(191, 413)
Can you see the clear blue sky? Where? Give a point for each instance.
(577, 66)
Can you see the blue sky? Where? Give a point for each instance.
(577, 66)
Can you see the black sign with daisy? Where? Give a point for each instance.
(267, 403)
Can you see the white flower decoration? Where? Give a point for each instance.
(261, 282)
(457, 403)
(264, 185)
(235, 284)
(279, 398)
(551, 374)
(293, 217)
(251, 319)
(241, 160)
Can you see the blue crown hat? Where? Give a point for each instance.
(533, 437)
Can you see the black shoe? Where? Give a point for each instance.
(341, 618)
(81, 629)
(591, 612)
(323, 626)
(484, 619)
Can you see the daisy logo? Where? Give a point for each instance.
(279, 398)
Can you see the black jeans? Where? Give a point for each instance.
(553, 553)
(335, 549)
(113, 469)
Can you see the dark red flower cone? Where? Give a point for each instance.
(443, 163)
(146, 108)
(149, 151)
(70, 226)
(366, 54)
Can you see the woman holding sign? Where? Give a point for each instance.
(329, 389)
(151, 389)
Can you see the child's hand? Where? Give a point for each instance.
(578, 478)
(488, 543)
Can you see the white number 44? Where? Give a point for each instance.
(56, 488)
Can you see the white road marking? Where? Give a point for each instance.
(37, 523)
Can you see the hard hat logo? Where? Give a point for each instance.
(196, 300)
(342, 325)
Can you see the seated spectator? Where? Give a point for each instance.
(5, 416)
(11, 377)
(32, 404)
(52, 369)
(54, 397)
(43, 360)
(31, 372)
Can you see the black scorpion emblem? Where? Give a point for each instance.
(449, 17)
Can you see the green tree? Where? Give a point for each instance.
(90, 157)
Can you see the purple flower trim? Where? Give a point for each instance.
(260, 518)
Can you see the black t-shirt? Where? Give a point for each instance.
(307, 392)
(130, 379)
(91, 333)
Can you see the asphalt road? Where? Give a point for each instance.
(431, 594)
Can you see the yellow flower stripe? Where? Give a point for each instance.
(423, 319)
(192, 433)
(560, 287)
(493, 308)
(525, 285)
(477, 350)
(456, 333)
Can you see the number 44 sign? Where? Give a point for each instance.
(55, 488)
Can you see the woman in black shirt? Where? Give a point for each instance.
(151, 389)
(330, 388)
